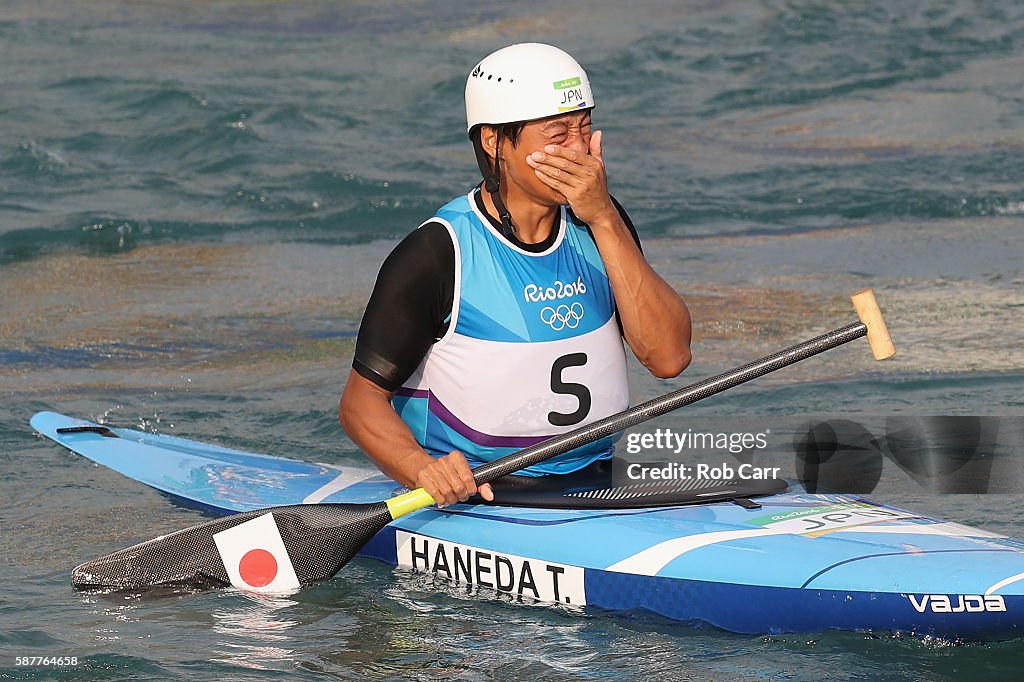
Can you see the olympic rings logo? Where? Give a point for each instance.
(562, 317)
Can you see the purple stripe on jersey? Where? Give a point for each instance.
(411, 392)
(437, 408)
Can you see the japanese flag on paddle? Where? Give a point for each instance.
(255, 557)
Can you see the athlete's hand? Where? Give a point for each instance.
(449, 480)
(579, 177)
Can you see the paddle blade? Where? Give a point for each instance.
(269, 550)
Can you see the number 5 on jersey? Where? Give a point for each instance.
(562, 387)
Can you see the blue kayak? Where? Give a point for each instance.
(792, 562)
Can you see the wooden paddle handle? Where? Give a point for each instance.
(878, 334)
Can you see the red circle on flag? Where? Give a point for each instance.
(258, 568)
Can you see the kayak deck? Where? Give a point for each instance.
(800, 562)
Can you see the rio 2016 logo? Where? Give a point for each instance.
(558, 290)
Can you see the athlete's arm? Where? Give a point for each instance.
(655, 320)
(403, 317)
(372, 423)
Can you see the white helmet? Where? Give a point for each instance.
(525, 82)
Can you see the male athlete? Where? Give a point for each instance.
(499, 322)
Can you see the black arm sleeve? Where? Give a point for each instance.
(409, 307)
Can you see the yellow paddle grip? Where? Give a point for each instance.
(406, 503)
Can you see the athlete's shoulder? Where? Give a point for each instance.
(427, 251)
(457, 207)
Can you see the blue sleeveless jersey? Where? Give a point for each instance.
(532, 350)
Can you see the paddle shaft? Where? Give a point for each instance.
(656, 407)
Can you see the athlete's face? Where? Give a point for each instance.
(571, 130)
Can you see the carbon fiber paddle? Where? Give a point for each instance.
(284, 548)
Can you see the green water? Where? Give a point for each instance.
(195, 198)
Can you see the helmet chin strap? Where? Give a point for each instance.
(491, 178)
